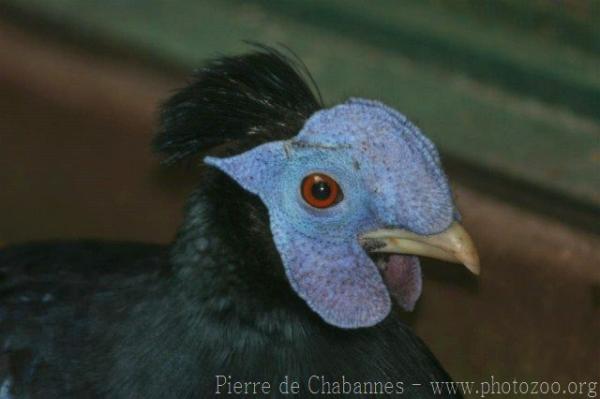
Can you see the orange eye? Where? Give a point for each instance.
(320, 191)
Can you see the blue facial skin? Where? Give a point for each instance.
(390, 175)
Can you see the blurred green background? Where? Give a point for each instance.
(498, 84)
(508, 89)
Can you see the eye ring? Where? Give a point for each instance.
(320, 190)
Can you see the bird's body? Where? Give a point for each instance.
(124, 320)
(188, 320)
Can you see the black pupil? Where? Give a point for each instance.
(321, 190)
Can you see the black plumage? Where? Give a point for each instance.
(238, 101)
(128, 320)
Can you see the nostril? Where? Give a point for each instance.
(370, 244)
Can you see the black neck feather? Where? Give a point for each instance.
(224, 257)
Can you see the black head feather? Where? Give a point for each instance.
(244, 100)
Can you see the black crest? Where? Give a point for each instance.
(238, 102)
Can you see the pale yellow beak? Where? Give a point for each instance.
(453, 244)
